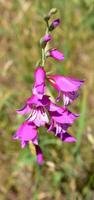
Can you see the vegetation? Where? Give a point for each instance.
(68, 171)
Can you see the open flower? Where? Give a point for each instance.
(27, 132)
(60, 119)
(61, 132)
(36, 105)
(38, 113)
(65, 85)
(61, 114)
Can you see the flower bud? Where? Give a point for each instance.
(53, 11)
(47, 17)
(54, 24)
(54, 53)
(44, 40)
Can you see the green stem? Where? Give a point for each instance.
(43, 58)
(47, 29)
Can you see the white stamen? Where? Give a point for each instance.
(34, 115)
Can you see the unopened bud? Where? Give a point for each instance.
(53, 11)
(44, 40)
(47, 17)
(54, 24)
(54, 53)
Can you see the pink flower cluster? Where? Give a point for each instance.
(42, 111)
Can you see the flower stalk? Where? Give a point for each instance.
(41, 109)
(43, 58)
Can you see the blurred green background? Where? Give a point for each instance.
(68, 171)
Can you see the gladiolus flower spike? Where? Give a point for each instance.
(40, 108)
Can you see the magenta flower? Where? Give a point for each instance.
(28, 132)
(61, 114)
(38, 113)
(36, 105)
(39, 108)
(60, 119)
(61, 132)
(54, 24)
(36, 108)
(57, 55)
(43, 112)
(66, 85)
(39, 83)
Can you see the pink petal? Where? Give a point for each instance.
(69, 97)
(34, 99)
(39, 84)
(66, 137)
(26, 131)
(57, 55)
(23, 144)
(65, 84)
(61, 114)
(24, 110)
(47, 37)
